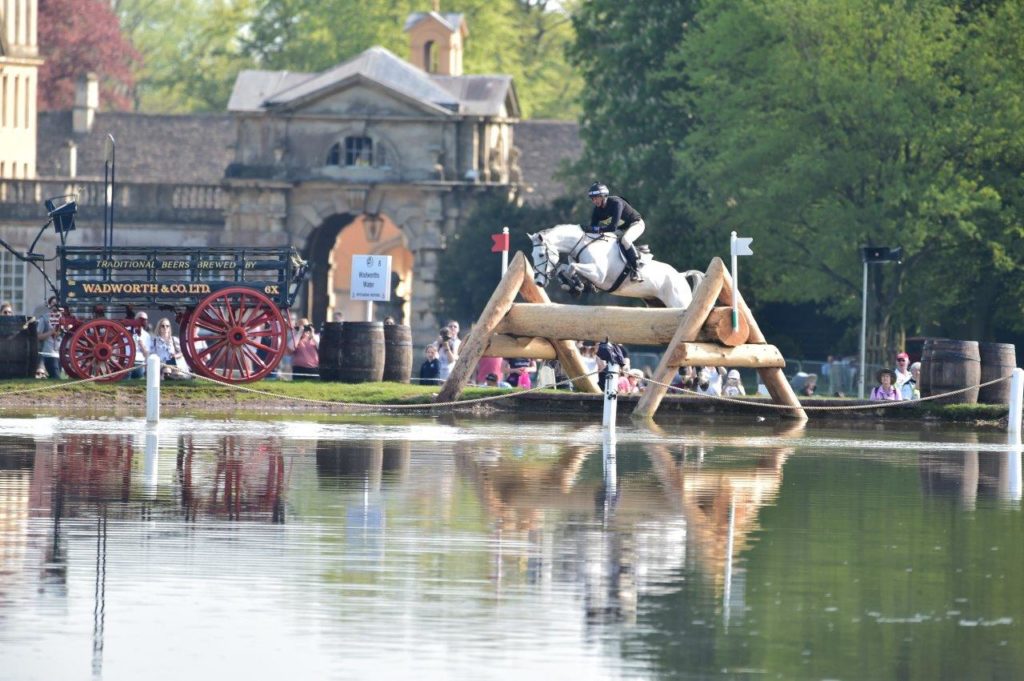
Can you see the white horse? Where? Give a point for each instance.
(598, 260)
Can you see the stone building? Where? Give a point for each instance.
(377, 155)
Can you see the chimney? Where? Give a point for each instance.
(435, 41)
(87, 100)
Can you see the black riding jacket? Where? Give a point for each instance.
(615, 210)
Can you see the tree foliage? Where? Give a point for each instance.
(79, 37)
(194, 48)
(467, 259)
(817, 128)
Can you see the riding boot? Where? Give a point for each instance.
(634, 264)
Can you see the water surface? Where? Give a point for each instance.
(461, 549)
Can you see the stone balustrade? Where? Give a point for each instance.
(134, 202)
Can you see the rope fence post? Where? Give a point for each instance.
(611, 393)
(1016, 403)
(152, 388)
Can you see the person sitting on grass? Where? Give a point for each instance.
(492, 381)
(886, 388)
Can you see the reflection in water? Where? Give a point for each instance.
(503, 556)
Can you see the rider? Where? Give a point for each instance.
(617, 215)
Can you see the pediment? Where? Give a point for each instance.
(363, 98)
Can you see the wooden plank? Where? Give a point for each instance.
(751, 356)
(772, 377)
(637, 325)
(568, 355)
(696, 314)
(473, 346)
(520, 346)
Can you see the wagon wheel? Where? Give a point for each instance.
(65, 356)
(235, 335)
(100, 347)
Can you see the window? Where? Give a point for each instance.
(334, 155)
(12, 281)
(358, 151)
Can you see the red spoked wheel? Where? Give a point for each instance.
(236, 335)
(99, 348)
(65, 356)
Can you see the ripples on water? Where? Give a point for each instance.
(404, 548)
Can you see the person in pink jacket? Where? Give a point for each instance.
(886, 388)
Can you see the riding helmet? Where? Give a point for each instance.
(598, 189)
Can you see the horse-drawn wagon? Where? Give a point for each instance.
(228, 302)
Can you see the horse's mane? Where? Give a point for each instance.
(575, 228)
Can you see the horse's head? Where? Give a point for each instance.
(545, 260)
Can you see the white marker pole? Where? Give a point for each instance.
(611, 393)
(369, 310)
(1016, 405)
(735, 284)
(504, 253)
(152, 388)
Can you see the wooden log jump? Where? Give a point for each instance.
(699, 335)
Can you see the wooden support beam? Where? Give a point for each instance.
(772, 377)
(718, 328)
(751, 356)
(704, 298)
(568, 354)
(472, 348)
(520, 346)
(638, 325)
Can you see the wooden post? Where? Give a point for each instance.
(700, 307)
(625, 325)
(520, 346)
(568, 355)
(772, 377)
(472, 348)
(718, 328)
(750, 356)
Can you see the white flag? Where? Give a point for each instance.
(741, 245)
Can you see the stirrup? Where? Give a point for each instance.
(635, 275)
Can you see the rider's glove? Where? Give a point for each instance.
(593, 229)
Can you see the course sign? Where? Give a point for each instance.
(371, 277)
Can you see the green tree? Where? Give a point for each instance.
(468, 267)
(821, 128)
(192, 49)
(630, 124)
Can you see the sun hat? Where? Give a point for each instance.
(636, 372)
(733, 373)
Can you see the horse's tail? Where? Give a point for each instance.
(693, 278)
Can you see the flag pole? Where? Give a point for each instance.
(735, 284)
(504, 252)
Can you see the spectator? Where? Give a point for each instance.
(446, 351)
(611, 359)
(48, 331)
(306, 358)
(453, 329)
(6, 308)
(303, 323)
(630, 382)
(733, 384)
(338, 317)
(704, 384)
(810, 385)
(167, 347)
(488, 365)
(885, 390)
(519, 373)
(588, 353)
(143, 342)
(902, 373)
(430, 370)
(491, 381)
(685, 378)
(912, 387)
(389, 321)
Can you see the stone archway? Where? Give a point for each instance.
(329, 250)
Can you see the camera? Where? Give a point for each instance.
(308, 327)
(446, 335)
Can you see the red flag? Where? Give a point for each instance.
(500, 243)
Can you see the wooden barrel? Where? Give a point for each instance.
(362, 348)
(997, 360)
(330, 351)
(397, 353)
(19, 347)
(950, 365)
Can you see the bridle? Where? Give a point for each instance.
(545, 267)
